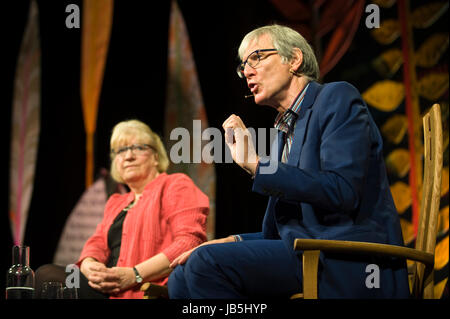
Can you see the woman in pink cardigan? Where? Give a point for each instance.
(144, 230)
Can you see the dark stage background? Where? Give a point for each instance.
(134, 86)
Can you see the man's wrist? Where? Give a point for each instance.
(252, 168)
(237, 238)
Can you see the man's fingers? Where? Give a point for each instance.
(229, 133)
(233, 121)
(228, 121)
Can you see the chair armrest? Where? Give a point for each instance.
(354, 247)
(154, 291)
(312, 247)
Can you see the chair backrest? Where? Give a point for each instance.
(423, 283)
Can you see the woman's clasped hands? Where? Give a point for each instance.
(107, 280)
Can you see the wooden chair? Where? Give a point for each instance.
(421, 279)
(154, 291)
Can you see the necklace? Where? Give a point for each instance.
(129, 206)
(134, 202)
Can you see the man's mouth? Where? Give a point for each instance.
(253, 87)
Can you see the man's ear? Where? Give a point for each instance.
(297, 59)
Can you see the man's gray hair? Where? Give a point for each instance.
(285, 40)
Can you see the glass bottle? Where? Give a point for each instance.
(20, 277)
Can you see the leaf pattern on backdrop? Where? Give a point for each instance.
(429, 76)
(25, 125)
(184, 105)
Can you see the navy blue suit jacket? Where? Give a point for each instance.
(334, 186)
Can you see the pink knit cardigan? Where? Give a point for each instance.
(170, 217)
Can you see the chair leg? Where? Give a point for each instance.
(310, 269)
(154, 291)
(428, 283)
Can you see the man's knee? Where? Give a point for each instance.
(177, 284)
(175, 276)
(201, 260)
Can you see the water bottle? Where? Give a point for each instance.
(20, 277)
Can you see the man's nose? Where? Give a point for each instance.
(248, 70)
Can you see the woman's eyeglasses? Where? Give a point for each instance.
(137, 149)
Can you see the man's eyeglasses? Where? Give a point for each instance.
(252, 60)
(137, 149)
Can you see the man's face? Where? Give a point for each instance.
(269, 79)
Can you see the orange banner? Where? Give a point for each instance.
(96, 30)
(184, 105)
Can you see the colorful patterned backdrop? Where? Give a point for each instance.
(401, 69)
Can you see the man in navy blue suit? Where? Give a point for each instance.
(329, 183)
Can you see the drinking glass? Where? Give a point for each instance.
(70, 293)
(52, 290)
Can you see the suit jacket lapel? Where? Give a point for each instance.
(299, 136)
(280, 140)
(302, 123)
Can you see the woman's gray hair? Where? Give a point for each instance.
(285, 39)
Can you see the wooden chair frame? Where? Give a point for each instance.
(154, 291)
(422, 284)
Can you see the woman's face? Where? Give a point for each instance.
(138, 165)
